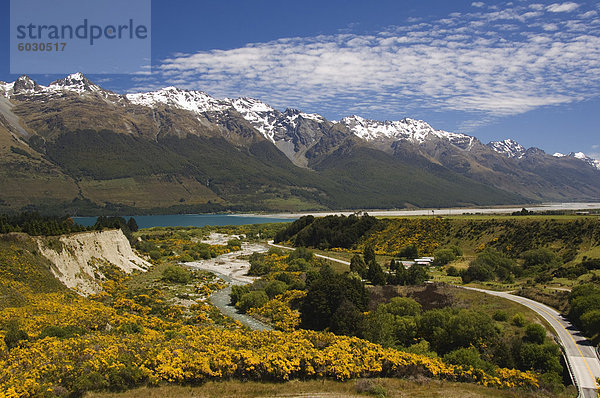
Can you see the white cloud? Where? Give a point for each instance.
(589, 14)
(478, 4)
(562, 7)
(550, 27)
(488, 64)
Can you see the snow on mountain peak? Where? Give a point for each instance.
(5, 88)
(584, 158)
(195, 101)
(25, 84)
(247, 104)
(509, 148)
(261, 116)
(75, 82)
(580, 156)
(416, 131)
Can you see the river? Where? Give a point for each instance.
(232, 270)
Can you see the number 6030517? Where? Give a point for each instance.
(41, 47)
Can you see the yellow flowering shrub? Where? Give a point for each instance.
(195, 354)
(278, 311)
(425, 233)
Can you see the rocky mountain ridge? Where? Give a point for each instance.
(182, 149)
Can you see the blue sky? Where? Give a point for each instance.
(527, 70)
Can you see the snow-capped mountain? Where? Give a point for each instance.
(509, 148)
(203, 150)
(195, 101)
(270, 122)
(281, 128)
(581, 156)
(25, 88)
(415, 131)
(75, 82)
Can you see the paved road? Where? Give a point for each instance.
(316, 255)
(580, 352)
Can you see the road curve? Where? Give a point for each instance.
(580, 352)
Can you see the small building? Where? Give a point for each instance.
(424, 260)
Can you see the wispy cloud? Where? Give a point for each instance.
(562, 7)
(491, 62)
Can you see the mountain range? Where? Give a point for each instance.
(75, 147)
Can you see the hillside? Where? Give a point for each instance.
(74, 147)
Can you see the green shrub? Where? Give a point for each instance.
(155, 254)
(409, 252)
(443, 257)
(176, 274)
(62, 332)
(541, 259)
(275, 288)
(237, 291)
(500, 316)
(467, 357)
(519, 320)
(302, 253)
(535, 333)
(15, 336)
(130, 328)
(186, 258)
(255, 299)
(402, 306)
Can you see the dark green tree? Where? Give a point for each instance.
(357, 264)
(326, 292)
(416, 275)
(132, 224)
(375, 274)
(347, 319)
(369, 254)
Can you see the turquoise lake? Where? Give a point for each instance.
(190, 220)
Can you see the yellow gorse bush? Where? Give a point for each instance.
(278, 311)
(425, 233)
(201, 353)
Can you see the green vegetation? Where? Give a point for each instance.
(584, 310)
(176, 274)
(539, 255)
(327, 232)
(35, 224)
(491, 265)
(23, 270)
(460, 333)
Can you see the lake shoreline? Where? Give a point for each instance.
(222, 219)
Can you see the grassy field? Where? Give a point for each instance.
(355, 388)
